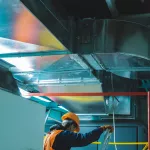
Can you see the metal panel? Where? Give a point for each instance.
(75, 8)
(142, 136)
(32, 54)
(19, 115)
(17, 23)
(114, 47)
(121, 105)
(107, 36)
(79, 104)
(20, 31)
(48, 16)
(56, 115)
(112, 8)
(47, 70)
(124, 62)
(96, 65)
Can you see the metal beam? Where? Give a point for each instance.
(90, 94)
(31, 54)
(93, 70)
(50, 118)
(137, 69)
(112, 7)
(137, 16)
(45, 12)
(47, 114)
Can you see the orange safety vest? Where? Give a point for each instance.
(50, 138)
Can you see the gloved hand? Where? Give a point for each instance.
(107, 127)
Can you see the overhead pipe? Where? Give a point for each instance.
(16, 72)
(90, 94)
(135, 16)
(137, 69)
(31, 54)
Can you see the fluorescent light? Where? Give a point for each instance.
(86, 118)
(23, 65)
(92, 114)
(63, 108)
(42, 99)
(23, 93)
(30, 75)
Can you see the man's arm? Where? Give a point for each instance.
(77, 139)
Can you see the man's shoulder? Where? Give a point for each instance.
(67, 132)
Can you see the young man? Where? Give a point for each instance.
(64, 136)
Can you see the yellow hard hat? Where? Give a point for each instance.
(73, 117)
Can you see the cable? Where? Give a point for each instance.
(107, 137)
(113, 112)
(114, 128)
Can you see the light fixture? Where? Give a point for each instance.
(92, 114)
(23, 65)
(24, 93)
(63, 108)
(42, 99)
(86, 118)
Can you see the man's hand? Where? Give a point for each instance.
(107, 127)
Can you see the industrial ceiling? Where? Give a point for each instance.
(74, 46)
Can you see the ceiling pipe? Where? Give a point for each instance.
(16, 72)
(90, 94)
(144, 15)
(31, 54)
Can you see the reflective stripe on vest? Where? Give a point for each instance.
(50, 138)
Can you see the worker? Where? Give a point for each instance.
(64, 136)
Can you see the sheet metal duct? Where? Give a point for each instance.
(111, 42)
(110, 36)
(79, 104)
(51, 18)
(20, 31)
(18, 24)
(115, 42)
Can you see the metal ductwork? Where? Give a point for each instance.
(102, 48)
(120, 47)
